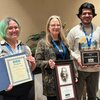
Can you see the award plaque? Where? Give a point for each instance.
(65, 80)
(91, 57)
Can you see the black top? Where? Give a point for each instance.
(64, 54)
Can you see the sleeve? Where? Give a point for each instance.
(3, 52)
(28, 50)
(40, 55)
(0, 52)
(71, 42)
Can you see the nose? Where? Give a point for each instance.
(13, 29)
(56, 26)
(87, 15)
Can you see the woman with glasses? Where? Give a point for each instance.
(53, 47)
(10, 45)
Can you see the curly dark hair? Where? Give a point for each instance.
(87, 5)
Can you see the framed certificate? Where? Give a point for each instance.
(18, 69)
(65, 80)
(91, 57)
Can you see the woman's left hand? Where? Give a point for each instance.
(32, 62)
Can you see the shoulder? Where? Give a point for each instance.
(74, 30)
(41, 42)
(25, 48)
(77, 27)
(96, 28)
(41, 45)
(2, 44)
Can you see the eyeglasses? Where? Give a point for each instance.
(53, 25)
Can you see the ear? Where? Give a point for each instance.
(80, 16)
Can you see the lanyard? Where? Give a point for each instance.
(89, 41)
(11, 51)
(62, 53)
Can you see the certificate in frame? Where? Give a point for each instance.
(91, 57)
(65, 80)
(18, 69)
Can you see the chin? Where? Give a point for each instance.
(14, 38)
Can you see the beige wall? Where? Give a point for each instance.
(33, 14)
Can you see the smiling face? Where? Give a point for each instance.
(54, 28)
(86, 16)
(12, 30)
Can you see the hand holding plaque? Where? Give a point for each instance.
(91, 57)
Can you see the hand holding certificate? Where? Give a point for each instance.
(32, 62)
(18, 70)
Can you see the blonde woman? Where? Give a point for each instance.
(53, 47)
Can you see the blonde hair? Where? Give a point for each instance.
(48, 36)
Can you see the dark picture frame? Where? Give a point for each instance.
(65, 80)
(91, 57)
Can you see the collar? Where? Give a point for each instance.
(3, 42)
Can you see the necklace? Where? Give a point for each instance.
(61, 51)
(86, 35)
